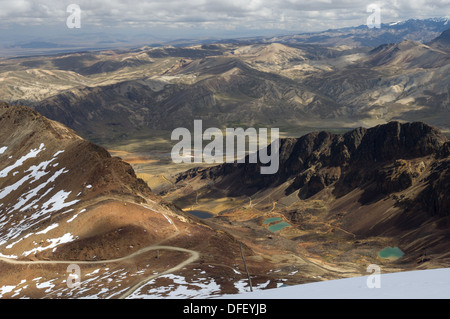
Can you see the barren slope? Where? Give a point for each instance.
(66, 201)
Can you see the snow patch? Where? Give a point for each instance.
(75, 216)
(47, 284)
(57, 202)
(8, 256)
(6, 289)
(179, 289)
(54, 242)
(417, 284)
(47, 229)
(33, 153)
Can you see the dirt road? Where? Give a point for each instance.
(194, 256)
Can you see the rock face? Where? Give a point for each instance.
(395, 178)
(380, 160)
(434, 198)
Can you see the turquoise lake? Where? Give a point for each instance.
(278, 226)
(391, 253)
(271, 220)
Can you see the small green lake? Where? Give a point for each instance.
(200, 213)
(271, 220)
(278, 226)
(391, 253)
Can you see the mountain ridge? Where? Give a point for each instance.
(251, 83)
(388, 181)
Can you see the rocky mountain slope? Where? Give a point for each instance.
(442, 41)
(223, 90)
(403, 81)
(390, 181)
(65, 201)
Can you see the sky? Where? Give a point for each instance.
(163, 19)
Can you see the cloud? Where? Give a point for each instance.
(300, 15)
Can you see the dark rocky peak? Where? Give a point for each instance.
(318, 159)
(382, 143)
(395, 140)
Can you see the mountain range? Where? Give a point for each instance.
(66, 201)
(115, 95)
(421, 30)
(363, 164)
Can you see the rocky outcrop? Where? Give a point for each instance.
(381, 160)
(394, 178)
(435, 197)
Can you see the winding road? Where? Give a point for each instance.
(194, 256)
